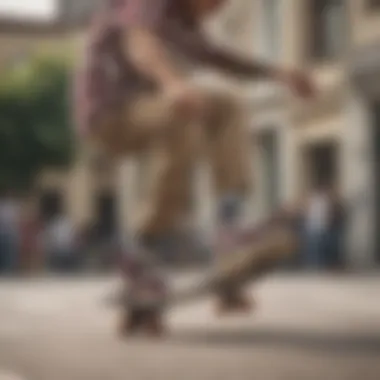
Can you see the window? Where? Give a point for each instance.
(328, 32)
(106, 214)
(271, 28)
(321, 162)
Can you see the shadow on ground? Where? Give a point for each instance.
(311, 341)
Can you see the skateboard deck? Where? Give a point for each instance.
(261, 250)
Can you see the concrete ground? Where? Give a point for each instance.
(305, 327)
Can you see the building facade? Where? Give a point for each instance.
(295, 144)
(362, 141)
(334, 139)
(87, 192)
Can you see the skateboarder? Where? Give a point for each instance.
(135, 93)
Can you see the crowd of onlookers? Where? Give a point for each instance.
(30, 244)
(322, 224)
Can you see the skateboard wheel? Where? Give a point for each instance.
(234, 303)
(153, 324)
(147, 322)
(130, 322)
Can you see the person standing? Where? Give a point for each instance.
(317, 223)
(61, 244)
(336, 231)
(30, 246)
(9, 232)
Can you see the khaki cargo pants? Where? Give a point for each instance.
(150, 123)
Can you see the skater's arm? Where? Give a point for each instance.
(197, 46)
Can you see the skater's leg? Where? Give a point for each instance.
(125, 132)
(223, 133)
(174, 139)
(228, 147)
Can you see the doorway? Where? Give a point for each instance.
(322, 244)
(321, 161)
(106, 219)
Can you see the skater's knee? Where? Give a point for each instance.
(223, 104)
(222, 110)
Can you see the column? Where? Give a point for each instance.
(358, 182)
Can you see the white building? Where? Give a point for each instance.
(294, 144)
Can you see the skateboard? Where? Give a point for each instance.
(261, 249)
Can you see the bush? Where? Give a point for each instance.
(35, 126)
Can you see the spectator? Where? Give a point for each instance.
(9, 233)
(336, 231)
(316, 227)
(324, 225)
(32, 258)
(61, 244)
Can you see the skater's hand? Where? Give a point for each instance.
(301, 84)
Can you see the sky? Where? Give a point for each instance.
(36, 9)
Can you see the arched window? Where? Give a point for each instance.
(328, 29)
(270, 28)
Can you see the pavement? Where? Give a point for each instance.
(305, 327)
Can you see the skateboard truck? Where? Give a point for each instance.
(142, 313)
(145, 320)
(236, 301)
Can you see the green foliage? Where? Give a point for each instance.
(35, 125)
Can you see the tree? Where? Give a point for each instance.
(35, 125)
